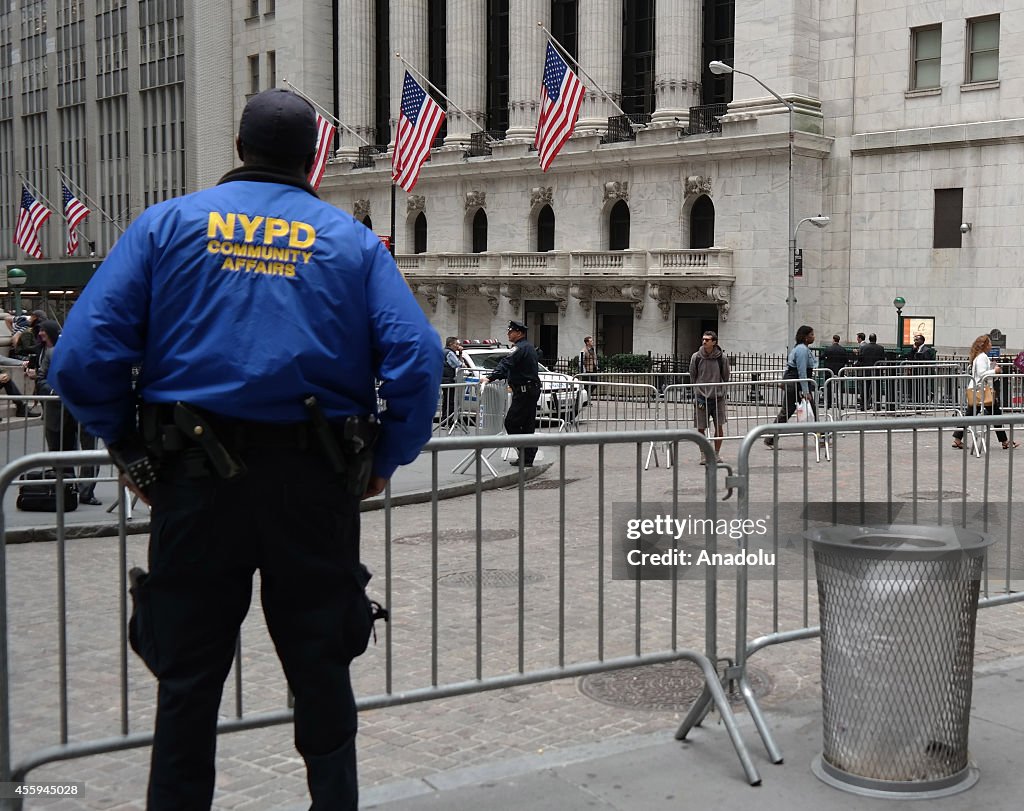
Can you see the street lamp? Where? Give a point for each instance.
(819, 222)
(16, 279)
(721, 69)
(899, 303)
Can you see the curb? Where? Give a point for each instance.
(108, 529)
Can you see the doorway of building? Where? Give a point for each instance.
(691, 321)
(614, 328)
(542, 328)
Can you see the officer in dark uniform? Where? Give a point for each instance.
(520, 369)
(256, 437)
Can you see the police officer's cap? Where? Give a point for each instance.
(515, 325)
(278, 123)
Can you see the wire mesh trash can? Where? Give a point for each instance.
(898, 606)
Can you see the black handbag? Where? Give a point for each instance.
(38, 493)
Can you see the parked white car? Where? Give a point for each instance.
(561, 396)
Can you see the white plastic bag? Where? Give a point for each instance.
(804, 412)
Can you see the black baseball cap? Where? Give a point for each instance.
(278, 123)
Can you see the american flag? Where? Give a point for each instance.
(561, 95)
(30, 219)
(418, 123)
(74, 212)
(324, 141)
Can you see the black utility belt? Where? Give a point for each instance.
(525, 387)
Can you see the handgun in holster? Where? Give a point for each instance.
(352, 454)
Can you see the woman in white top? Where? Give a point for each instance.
(983, 374)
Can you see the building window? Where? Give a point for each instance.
(437, 51)
(254, 9)
(702, 223)
(638, 56)
(546, 229)
(983, 57)
(618, 227)
(719, 36)
(949, 214)
(382, 75)
(254, 74)
(419, 234)
(480, 231)
(497, 65)
(564, 16)
(271, 68)
(270, 7)
(926, 48)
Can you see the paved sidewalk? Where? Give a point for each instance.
(655, 771)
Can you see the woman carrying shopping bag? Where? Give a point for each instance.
(983, 396)
(799, 366)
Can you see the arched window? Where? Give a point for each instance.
(702, 223)
(546, 229)
(480, 231)
(618, 227)
(419, 233)
(367, 222)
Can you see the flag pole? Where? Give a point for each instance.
(81, 193)
(38, 193)
(323, 111)
(437, 90)
(391, 236)
(568, 57)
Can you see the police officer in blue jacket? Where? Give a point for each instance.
(521, 370)
(260, 317)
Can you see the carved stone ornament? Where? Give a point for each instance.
(583, 293)
(698, 184)
(616, 190)
(491, 292)
(514, 294)
(451, 294)
(429, 292)
(667, 294)
(560, 293)
(360, 208)
(476, 199)
(634, 294)
(415, 203)
(540, 196)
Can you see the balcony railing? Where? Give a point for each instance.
(705, 118)
(581, 265)
(621, 127)
(367, 154)
(480, 142)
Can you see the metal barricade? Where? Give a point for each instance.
(882, 472)
(899, 390)
(619, 407)
(566, 615)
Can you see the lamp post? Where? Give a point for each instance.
(899, 303)
(16, 279)
(720, 69)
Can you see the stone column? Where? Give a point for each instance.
(527, 44)
(600, 54)
(467, 68)
(409, 38)
(677, 60)
(356, 80)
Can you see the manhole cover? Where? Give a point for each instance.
(548, 484)
(499, 578)
(780, 468)
(458, 536)
(933, 495)
(668, 687)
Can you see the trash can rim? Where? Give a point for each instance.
(899, 541)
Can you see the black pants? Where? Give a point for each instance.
(793, 398)
(291, 518)
(522, 416)
(70, 437)
(993, 409)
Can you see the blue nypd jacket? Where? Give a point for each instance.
(244, 299)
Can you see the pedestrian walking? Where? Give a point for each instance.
(588, 357)
(254, 447)
(709, 368)
(800, 365)
(520, 369)
(984, 398)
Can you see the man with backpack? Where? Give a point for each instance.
(709, 367)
